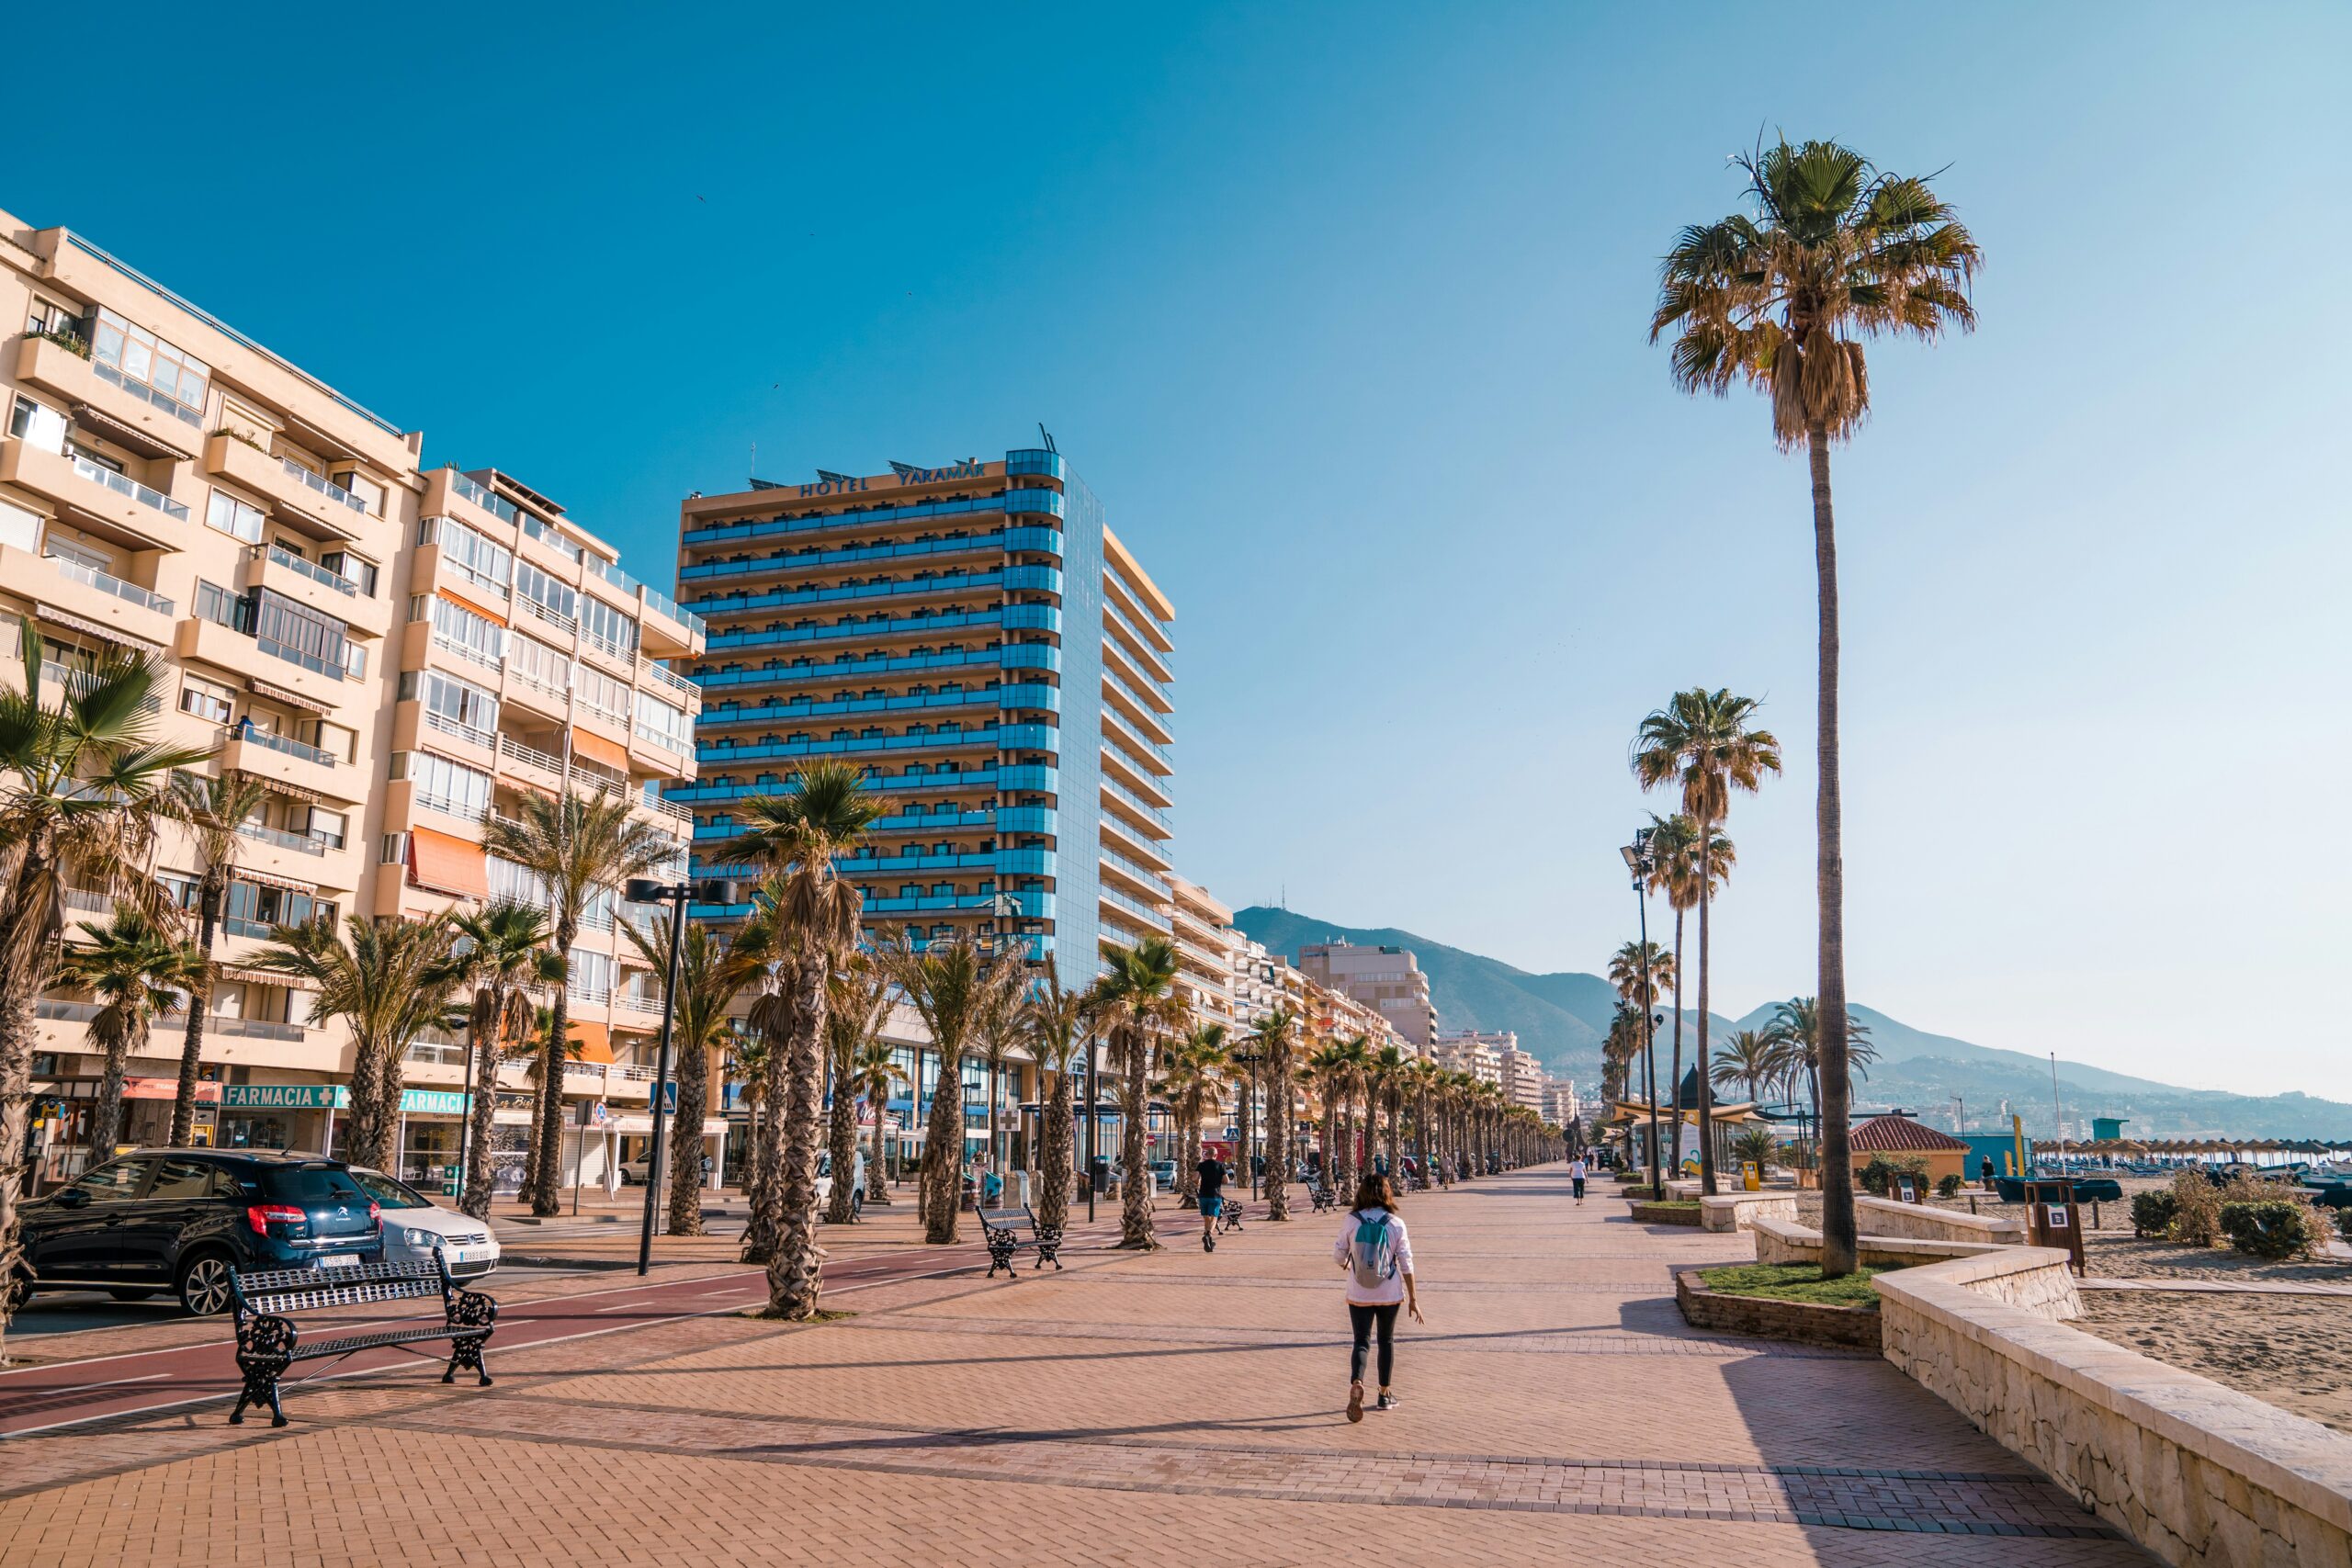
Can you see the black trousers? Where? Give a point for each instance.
(1364, 1319)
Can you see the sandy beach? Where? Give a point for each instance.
(2291, 1351)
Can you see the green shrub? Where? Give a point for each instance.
(2152, 1212)
(1879, 1176)
(2343, 1223)
(2197, 1210)
(2271, 1228)
(1949, 1187)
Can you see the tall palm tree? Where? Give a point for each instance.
(1677, 869)
(1135, 1001)
(1326, 1080)
(1640, 970)
(1356, 1132)
(873, 1072)
(1060, 1025)
(1193, 1075)
(1751, 1059)
(711, 974)
(999, 1036)
(390, 979)
(136, 970)
(501, 956)
(854, 1019)
(811, 925)
(1388, 1067)
(1276, 1037)
(1834, 251)
(1795, 1032)
(747, 1059)
(952, 986)
(1703, 740)
(214, 811)
(82, 785)
(578, 846)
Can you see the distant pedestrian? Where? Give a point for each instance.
(1373, 1248)
(1211, 1199)
(1576, 1175)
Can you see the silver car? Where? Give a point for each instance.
(413, 1224)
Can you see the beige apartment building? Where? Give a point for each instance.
(1388, 979)
(395, 653)
(1478, 1054)
(1204, 953)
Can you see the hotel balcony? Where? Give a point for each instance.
(786, 563)
(972, 699)
(1025, 777)
(1133, 810)
(104, 401)
(1025, 504)
(300, 498)
(95, 497)
(922, 585)
(87, 594)
(1011, 656)
(995, 738)
(313, 586)
(1121, 770)
(329, 691)
(293, 763)
(297, 857)
(972, 623)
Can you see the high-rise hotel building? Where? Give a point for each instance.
(395, 653)
(977, 642)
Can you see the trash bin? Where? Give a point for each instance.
(1100, 1174)
(1024, 1177)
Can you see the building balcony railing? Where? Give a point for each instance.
(1021, 777)
(1136, 803)
(897, 625)
(1129, 671)
(69, 679)
(301, 844)
(155, 500)
(1114, 724)
(1032, 540)
(662, 676)
(1002, 738)
(1156, 918)
(326, 487)
(1043, 578)
(976, 697)
(1150, 878)
(105, 582)
(1152, 641)
(842, 668)
(878, 517)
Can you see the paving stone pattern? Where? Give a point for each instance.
(1137, 1408)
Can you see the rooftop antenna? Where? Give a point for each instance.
(755, 461)
(1048, 437)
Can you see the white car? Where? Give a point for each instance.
(413, 1224)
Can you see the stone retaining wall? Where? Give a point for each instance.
(1883, 1216)
(1785, 1241)
(1739, 1210)
(2196, 1473)
(1810, 1323)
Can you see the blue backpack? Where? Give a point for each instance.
(1374, 1251)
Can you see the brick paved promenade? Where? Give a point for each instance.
(1172, 1408)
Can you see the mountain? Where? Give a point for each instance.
(1561, 1018)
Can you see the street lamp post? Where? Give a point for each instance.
(676, 896)
(1642, 863)
(1248, 1060)
(1093, 1103)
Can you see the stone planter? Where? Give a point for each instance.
(1765, 1317)
(1665, 1215)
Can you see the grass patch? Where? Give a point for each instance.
(1794, 1282)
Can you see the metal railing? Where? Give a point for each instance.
(107, 582)
(551, 536)
(301, 844)
(255, 1028)
(325, 487)
(496, 505)
(530, 756)
(309, 569)
(286, 744)
(466, 650)
(1151, 813)
(540, 612)
(99, 473)
(458, 727)
(1127, 733)
(662, 675)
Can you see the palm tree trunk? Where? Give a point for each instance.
(1054, 1158)
(941, 1190)
(1838, 1233)
(841, 1203)
(549, 1137)
(200, 997)
(106, 1118)
(795, 1274)
(1706, 1084)
(766, 1224)
(18, 991)
(482, 1118)
(1278, 1111)
(1135, 1187)
(878, 1189)
(1674, 1082)
(685, 1142)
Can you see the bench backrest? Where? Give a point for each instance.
(1006, 1219)
(281, 1291)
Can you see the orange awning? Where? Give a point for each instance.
(596, 749)
(479, 608)
(595, 1040)
(447, 863)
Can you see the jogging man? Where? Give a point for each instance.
(1211, 1171)
(1575, 1174)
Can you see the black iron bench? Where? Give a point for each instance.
(269, 1341)
(1002, 1230)
(1324, 1198)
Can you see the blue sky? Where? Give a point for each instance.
(1342, 311)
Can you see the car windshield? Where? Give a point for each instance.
(308, 1184)
(392, 1194)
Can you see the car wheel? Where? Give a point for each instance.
(130, 1296)
(204, 1284)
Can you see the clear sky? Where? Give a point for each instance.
(1342, 311)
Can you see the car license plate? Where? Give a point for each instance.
(339, 1260)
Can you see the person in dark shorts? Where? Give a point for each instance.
(1576, 1175)
(1211, 1171)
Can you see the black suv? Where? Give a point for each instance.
(179, 1219)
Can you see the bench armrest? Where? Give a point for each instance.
(471, 1309)
(266, 1334)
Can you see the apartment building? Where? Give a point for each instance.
(1560, 1101)
(979, 642)
(1204, 953)
(169, 485)
(1523, 1078)
(1478, 1054)
(1387, 978)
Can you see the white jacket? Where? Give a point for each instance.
(1389, 1292)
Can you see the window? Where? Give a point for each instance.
(233, 517)
(478, 637)
(511, 882)
(469, 553)
(216, 603)
(138, 356)
(363, 489)
(592, 975)
(118, 1181)
(392, 850)
(206, 699)
(453, 706)
(601, 694)
(328, 826)
(183, 1179)
(540, 589)
(302, 635)
(537, 663)
(665, 726)
(607, 628)
(338, 740)
(37, 425)
(357, 570)
(451, 788)
(253, 909)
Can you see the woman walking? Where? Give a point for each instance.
(1373, 1248)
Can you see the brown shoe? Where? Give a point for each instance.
(1355, 1401)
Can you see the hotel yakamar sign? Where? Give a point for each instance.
(850, 484)
(333, 1097)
